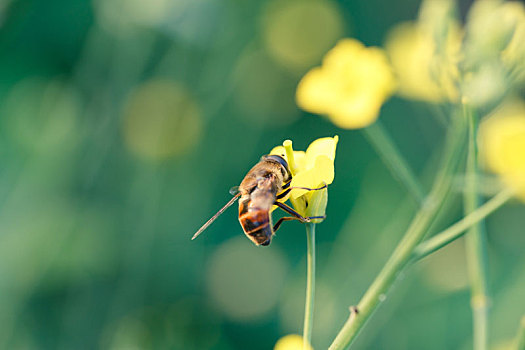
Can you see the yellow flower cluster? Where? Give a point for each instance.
(311, 169)
(501, 141)
(435, 59)
(420, 75)
(350, 86)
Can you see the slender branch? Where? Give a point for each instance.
(475, 243)
(458, 229)
(404, 250)
(396, 163)
(310, 286)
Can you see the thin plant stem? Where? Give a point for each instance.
(475, 243)
(459, 228)
(310, 285)
(415, 233)
(395, 162)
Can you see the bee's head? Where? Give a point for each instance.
(279, 159)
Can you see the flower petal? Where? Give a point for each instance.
(323, 146)
(300, 160)
(356, 114)
(501, 140)
(279, 151)
(322, 171)
(314, 92)
(303, 179)
(343, 56)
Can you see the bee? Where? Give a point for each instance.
(265, 185)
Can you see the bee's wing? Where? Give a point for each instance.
(209, 222)
(234, 190)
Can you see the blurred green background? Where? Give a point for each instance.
(123, 125)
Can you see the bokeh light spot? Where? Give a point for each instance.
(245, 281)
(121, 15)
(161, 120)
(129, 333)
(291, 308)
(41, 115)
(298, 33)
(264, 93)
(185, 324)
(446, 270)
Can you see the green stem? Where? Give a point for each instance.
(458, 229)
(404, 250)
(395, 162)
(310, 286)
(475, 244)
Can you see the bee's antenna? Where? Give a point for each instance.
(208, 223)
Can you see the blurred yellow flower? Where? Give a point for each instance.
(423, 74)
(350, 86)
(311, 169)
(291, 342)
(502, 144)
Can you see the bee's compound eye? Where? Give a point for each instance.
(280, 160)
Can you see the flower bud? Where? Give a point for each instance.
(490, 27)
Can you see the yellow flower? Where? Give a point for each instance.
(502, 144)
(350, 86)
(291, 342)
(421, 74)
(311, 169)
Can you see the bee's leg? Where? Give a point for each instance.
(281, 220)
(289, 210)
(298, 216)
(317, 217)
(287, 190)
(309, 189)
(288, 218)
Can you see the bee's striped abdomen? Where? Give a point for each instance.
(255, 222)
